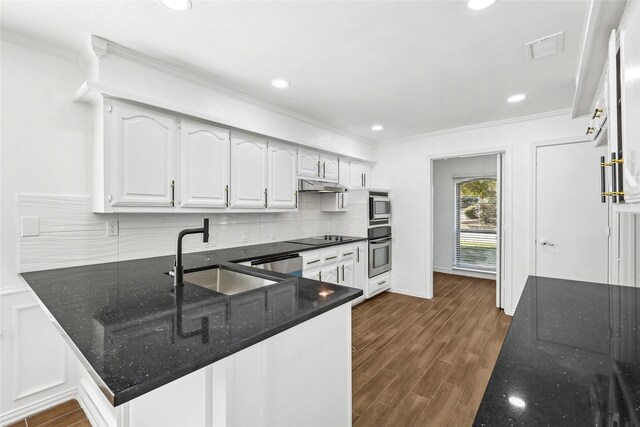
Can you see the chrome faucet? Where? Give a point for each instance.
(178, 268)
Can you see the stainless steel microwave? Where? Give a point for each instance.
(379, 208)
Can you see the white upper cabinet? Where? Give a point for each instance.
(248, 188)
(344, 175)
(204, 165)
(143, 156)
(330, 169)
(282, 183)
(308, 164)
(360, 175)
(630, 96)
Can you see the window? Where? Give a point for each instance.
(476, 224)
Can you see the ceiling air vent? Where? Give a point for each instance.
(546, 46)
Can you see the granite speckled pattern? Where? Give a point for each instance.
(135, 332)
(571, 358)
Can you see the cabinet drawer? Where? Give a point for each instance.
(330, 257)
(310, 261)
(347, 253)
(379, 283)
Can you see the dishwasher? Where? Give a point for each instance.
(288, 264)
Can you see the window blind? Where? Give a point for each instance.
(475, 224)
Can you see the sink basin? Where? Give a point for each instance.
(225, 281)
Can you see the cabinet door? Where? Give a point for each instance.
(630, 88)
(248, 171)
(308, 163)
(361, 272)
(204, 165)
(143, 143)
(283, 184)
(330, 168)
(360, 174)
(347, 273)
(344, 174)
(330, 274)
(312, 274)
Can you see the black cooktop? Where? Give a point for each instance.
(321, 240)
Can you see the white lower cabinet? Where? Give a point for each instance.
(379, 283)
(258, 386)
(341, 264)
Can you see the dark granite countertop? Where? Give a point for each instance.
(134, 332)
(571, 358)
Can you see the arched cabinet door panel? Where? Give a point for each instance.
(283, 183)
(143, 156)
(204, 165)
(248, 187)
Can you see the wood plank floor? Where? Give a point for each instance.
(66, 414)
(419, 362)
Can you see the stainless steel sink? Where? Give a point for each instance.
(225, 281)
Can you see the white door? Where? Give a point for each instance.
(344, 172)
(571, 224)
(347, 273)
(248, 187)
(144, 156)
(330, 274)
(630, 97)
(204, 166)
(330, 167)
(282, 190)
(360, 174)
(308, 163)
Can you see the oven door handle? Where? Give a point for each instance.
(380, 241)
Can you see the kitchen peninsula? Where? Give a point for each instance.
(283, 350)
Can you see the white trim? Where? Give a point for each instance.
(14, 290)
(410, 293)
(39, 45)
(507, 197)
(37, 406)
(89, 406)
(537, 116)
(533, 151)
(466, 273)
(203, 78)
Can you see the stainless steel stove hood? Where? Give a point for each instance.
(306, 186)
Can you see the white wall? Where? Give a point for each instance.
(444, 173)
(403, 167)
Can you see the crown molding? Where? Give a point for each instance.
(39, 45)
(519, 119)
(102, 46)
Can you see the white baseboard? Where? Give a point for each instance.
(410, 293)
(479, 275)
(40, 405)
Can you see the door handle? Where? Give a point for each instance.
(546, 243)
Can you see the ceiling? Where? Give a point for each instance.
(415, 66)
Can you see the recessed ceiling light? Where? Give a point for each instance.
(376, 128)
(479, 4)
(179, 5)
(280, 83)
(516, 98)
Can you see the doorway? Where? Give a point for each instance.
(467, 218)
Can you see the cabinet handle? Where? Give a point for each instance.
(614, 178)
(597, 113)
(348, 253)
(362, 179)
(295, 194)
(318, 167)
(358, 254)
(173, 193)
(342, 200)
(331, 257)
(603, 190)
(320, 276)
(382, 283)
(338, 273)
(365, 179)
(343, 273)
(313, 262)
(590, 130)
(226, 195)
(324, 169)
(265, 197)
